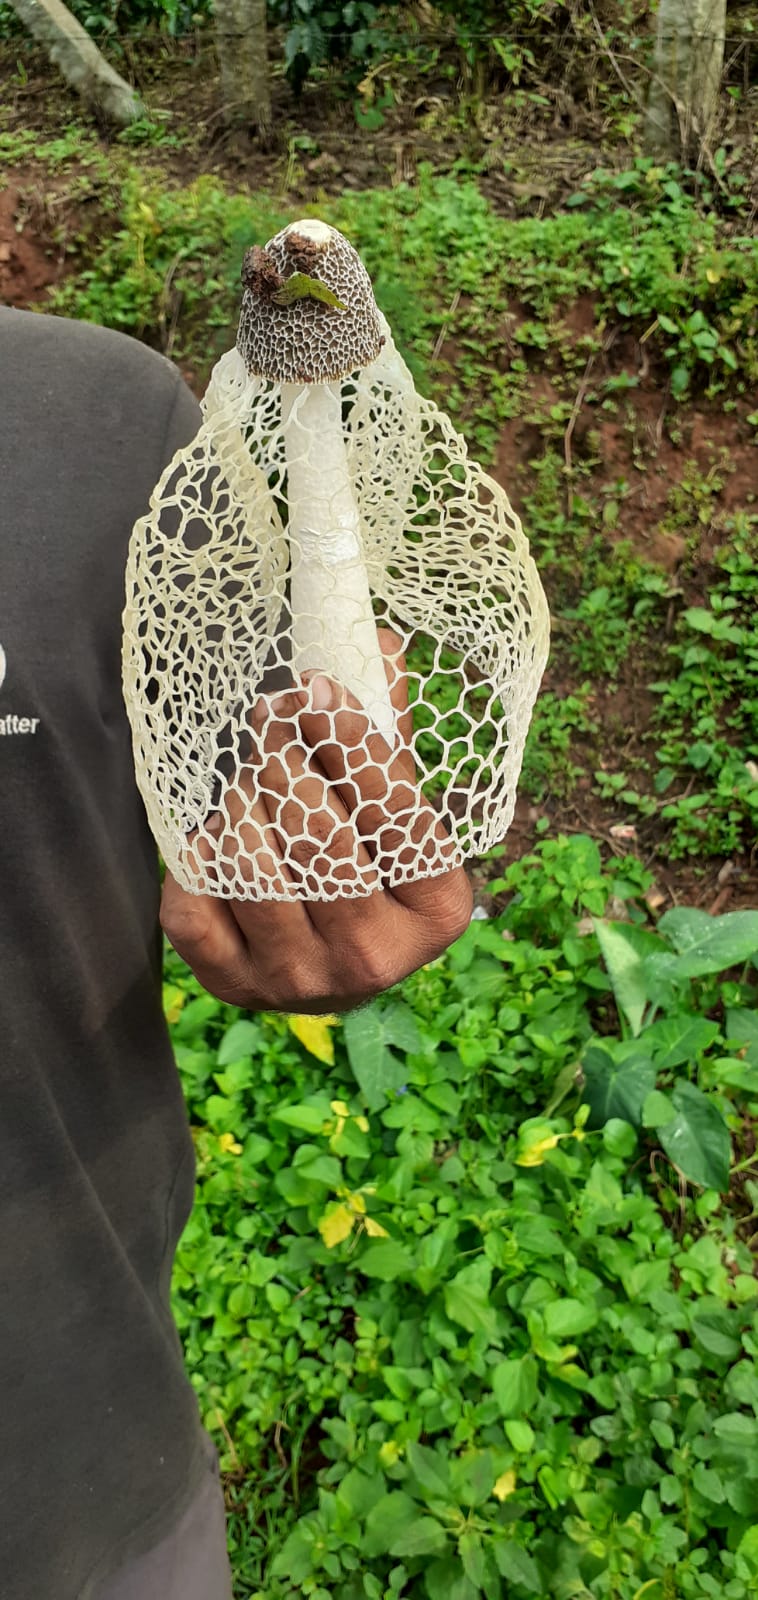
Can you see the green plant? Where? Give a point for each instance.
(451, 1323)
(707, 722)
(548, 768)
(72, 144)
(319, 32)
(168, 256)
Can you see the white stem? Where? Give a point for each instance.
(333, 627)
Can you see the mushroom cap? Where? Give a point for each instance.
(306, 340)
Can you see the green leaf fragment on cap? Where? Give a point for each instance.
(300, 287)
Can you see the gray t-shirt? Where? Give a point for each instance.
(100, 1438)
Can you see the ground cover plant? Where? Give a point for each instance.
(462, 1297)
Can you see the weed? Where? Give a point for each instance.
(705, 729)
(433, 1305)
(548, 770)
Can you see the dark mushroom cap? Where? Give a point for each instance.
(305, 340)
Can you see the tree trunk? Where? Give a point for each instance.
(79, 60)
(688, 63)
(242, 50)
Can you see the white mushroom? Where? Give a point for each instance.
(308, 345)
(322, 497)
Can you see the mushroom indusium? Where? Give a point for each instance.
(324, 499)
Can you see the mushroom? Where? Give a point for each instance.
(285, 336)
(323, 497)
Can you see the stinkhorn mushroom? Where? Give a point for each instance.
(321, 499)
(285, 337)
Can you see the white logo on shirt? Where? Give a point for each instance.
(14, 724)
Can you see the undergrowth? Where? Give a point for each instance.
(646, 252)
(462, 1299)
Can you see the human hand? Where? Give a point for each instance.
(318, 955)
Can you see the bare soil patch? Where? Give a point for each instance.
(27, 266)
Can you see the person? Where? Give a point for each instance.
(109, 1487)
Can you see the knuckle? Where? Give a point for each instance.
(185, 920)
(300, 986)
(447, 912)
(236, 989)
(456, 908)
(372, 967)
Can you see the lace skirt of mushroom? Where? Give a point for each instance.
(301, 520)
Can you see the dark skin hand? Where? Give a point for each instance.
(320, 956)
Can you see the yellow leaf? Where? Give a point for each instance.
(362, 1123)
(389, 1452)
(375, 1229)
(314, 1033)
(358, 1203)
(505, 1485)
(173, 1000)
(713, 277)
(336, 1225)
(567, 1352)
(533, 1155)
(339, 1108)
(229, 1145)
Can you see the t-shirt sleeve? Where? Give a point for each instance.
(184, 419)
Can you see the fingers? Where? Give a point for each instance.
(376, 784)
(259, 955)
(320, 784)
(311, 822)
(325, 800)
(238, 844)
(314, 821)
(442, 905)
(205, 935)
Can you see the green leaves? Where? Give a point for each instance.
(567, 1319)
(517, 1566)
(240, 1040)
(516, 1388)
(385, 1259)
(424, 1537)
(467, 1298)
(514, 1384)
(621, 1082)
(430, 1470)
(689, 1126)
(625, 948)
(389, 1520)
(616, 1087)
(680, 1038)
(710, 944)
(697, 1139)
(369, 1033)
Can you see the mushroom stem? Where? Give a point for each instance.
(333, 627)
